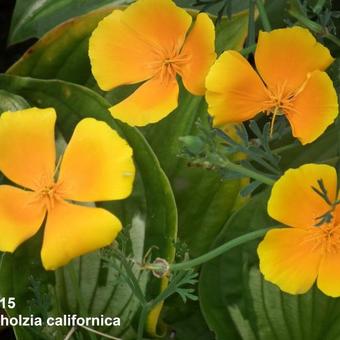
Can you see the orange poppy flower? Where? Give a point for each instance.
(149, 42)
(290, 81)
(96, 166)
(294, 258)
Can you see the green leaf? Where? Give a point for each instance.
(224, 279)
(32, 18)
(323, 150)
(11, 102)
(186, 320)
(72, 103)
(283, 316)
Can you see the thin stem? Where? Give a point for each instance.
(313, 26)
(330, 160)
(70, 333)
(247, 50)
(142, 320)
(134, 284)
(319, 6)
(332, 38)
(285, 148)
(247, 172)
(251, 23)
(100, 333)
(219, 250)
(77, 293)
(2, 260)
(263, 15)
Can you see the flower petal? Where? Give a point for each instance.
(329, 274)
(160, 23)
(294, 202)
(314, 109)
(118, 54)
(97, 164)
(150, 103)
(73, 230)
(288, 260)
(285, 56)
(20, 217)
(199, 48)
(27, 146)
(235, 92)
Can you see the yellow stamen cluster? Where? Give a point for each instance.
(326, 237)
(168, 63)
(281, 101)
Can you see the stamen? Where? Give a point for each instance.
(168, 63)
(325, 238)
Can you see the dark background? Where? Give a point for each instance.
(9, 55)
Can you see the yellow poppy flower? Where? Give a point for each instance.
(96, 166)
(149, 42)
(290, 81)
(294, 258)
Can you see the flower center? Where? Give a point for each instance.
(48, 194)
(168, 63)
(327, 237)
(280, 101)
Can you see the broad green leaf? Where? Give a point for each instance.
(223, 280)
(280, 316)
(186, 320)
(204, 201)
(323, 150)
(11, 102)
(72, 103)
(33, 18)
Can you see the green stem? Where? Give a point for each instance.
(247, 50)
(285, 148)
(263, 15)
(142, 320)
(319, 6)
(219, 250)
(134, 284)
(77, 293)
(332, 38)
(247, 172)
(251, 23)
(313, 26)
(330, 160)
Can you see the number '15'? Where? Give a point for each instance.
(7, 302)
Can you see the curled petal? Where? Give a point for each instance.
(314, 108)
(160, 23)
(150, 103)
(285, 56)
(73, 230)
(97, 164)
(27, 146)
(288, 260)
(199, 50)
(294, 202)
(21, 217)
(235, 92)
(118, 54)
